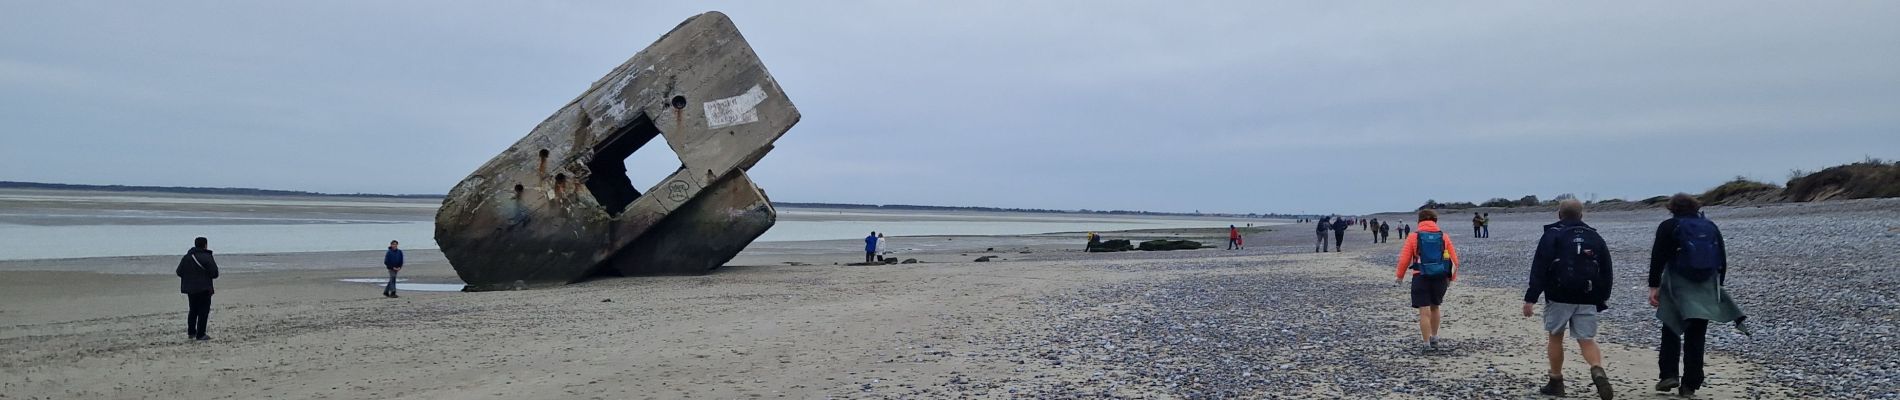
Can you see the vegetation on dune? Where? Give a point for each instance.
(1741, 190)
(1870, 178)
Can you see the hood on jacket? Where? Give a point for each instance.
(1428, 226)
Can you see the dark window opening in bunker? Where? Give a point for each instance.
(637, 153)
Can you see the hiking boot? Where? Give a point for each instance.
(1554, 388)
(1601, 379)
(202, 338)
(1668, 384)
(1687, 392)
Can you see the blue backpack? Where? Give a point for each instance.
(1698, 251)
(1431, 256)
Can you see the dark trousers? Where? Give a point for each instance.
(1686, 348)
(868, 256)
(1320, 244)
(391, 288)
(199, 314)
(1232, 243)
(1487, 230)
(1339, 240)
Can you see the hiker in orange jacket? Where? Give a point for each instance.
(1433, 261)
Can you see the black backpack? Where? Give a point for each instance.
(1576, 266)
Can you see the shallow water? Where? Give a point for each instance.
(403, 284)
(45, 226)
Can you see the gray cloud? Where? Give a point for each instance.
(1241, 106)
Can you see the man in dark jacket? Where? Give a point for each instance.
(392, 260)
(1562, 272)
(870, 247)
(196, 270)
(1325, 223)
(1339, 234)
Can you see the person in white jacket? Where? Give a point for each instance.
(880, 247)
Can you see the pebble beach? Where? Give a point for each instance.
(1043, 320)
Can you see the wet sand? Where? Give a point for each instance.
(1273, 320)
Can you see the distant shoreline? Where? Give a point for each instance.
(209, 191)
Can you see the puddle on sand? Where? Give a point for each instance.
(403, 284)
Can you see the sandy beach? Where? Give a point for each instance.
(1044, 321)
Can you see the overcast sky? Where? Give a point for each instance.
(1229, 107)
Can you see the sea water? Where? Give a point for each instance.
(46, 226)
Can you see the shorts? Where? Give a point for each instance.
(1427, 292)
(1581, 318)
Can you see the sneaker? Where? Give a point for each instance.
(1601, 379)
(202, 338)
(1668, 384)
(1687, 392)
(1433, 342)
(1554, 388)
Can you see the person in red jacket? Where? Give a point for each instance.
(1433, 261)
(1233, 237)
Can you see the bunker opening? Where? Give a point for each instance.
(635, 153)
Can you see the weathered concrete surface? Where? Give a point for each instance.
(713, 227)
(557, 207)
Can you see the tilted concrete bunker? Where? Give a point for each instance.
(557, 206)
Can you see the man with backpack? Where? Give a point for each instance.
(1434, 265)
(1573, 273)
(1320, 245)
(1688, 266)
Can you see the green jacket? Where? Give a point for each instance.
(1682, 298)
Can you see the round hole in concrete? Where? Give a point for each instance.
(679, 102)
(544, 154)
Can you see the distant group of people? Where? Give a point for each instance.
(1234, 241)
(1572, 272)
(874, 247)
(1336, 227)
(1481, 225)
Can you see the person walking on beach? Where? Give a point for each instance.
(196, 270)
(1573, 273)
(1385, 231)
(1324, 224)
(1404, 229)
(1339, 234)
(1688, 268)
(1233, 237)
(1433, 261)
(392, 260)
(870, 247)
